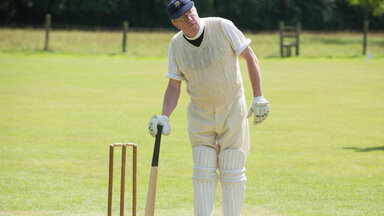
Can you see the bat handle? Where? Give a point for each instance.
(159, 130)
(156, 150)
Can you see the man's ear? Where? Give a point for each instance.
(175, 24)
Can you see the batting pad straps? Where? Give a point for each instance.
(232, 176)
(204, 174)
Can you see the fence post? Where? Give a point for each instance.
(47, 29)
(125, 30)
(366, 25)
(298, 31)
(281, 27)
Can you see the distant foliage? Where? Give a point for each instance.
(247, 14)
(376, 7)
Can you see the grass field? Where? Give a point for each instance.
(313, 44)
(319, 153)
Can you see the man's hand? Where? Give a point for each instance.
(159, 120)
(260, 109)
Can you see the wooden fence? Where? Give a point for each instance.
(48, 23)
(294, 33)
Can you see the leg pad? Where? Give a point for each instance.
(233, 179)
(204, 180)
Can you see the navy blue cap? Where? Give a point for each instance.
(177, 8)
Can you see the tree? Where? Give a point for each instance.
(376, 7)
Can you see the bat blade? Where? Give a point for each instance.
(151, 196)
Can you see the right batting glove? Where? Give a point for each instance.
(159, 120)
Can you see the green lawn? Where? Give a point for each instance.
(319, 153)
(265, 44)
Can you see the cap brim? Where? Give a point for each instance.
(183, 10)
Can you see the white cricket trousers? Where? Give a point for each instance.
(220, 127)
(219, 138)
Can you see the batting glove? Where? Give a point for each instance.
(159, 120)
(260, 109)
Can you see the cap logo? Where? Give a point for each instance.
(177, 4)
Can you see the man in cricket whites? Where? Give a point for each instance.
(204, 54)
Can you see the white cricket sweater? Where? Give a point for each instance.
(211, 71)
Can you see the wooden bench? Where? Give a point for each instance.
(291, 33)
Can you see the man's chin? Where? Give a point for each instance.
(195, 27)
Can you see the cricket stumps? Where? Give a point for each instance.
(122, 186)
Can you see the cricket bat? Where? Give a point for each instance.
(151, 196)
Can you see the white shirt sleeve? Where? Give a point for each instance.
(237, 38)
(173, 70)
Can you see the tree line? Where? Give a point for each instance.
(255, 15)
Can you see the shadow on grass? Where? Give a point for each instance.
(346, 41)
(378, 148)
(338, 41)
(377, 43)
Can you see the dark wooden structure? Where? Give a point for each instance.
(125, 30)
(365, 31)
(289, 37)
(47, 30)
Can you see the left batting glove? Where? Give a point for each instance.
(159, 120)
(260, 109)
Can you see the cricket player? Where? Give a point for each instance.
(204, 54)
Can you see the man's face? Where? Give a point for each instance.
(188, 22)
